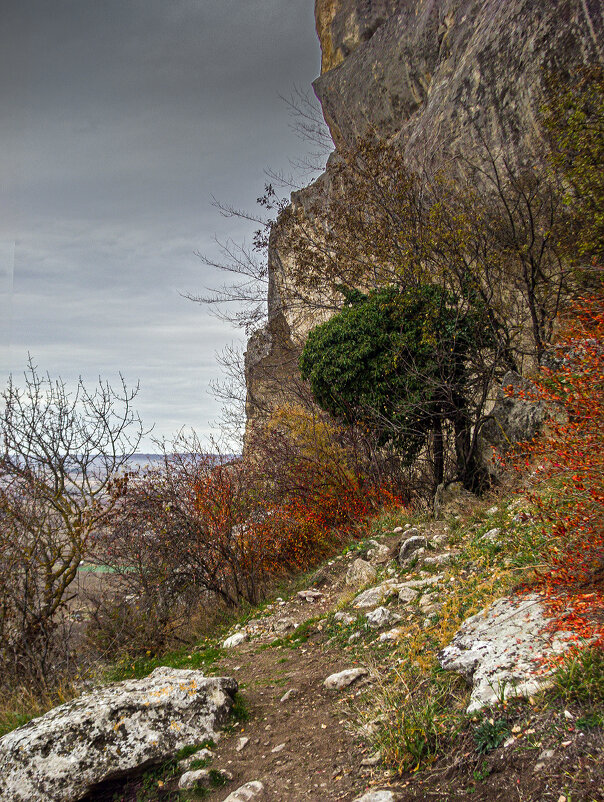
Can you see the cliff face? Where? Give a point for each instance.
(426, 75)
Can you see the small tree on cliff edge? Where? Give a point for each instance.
(410, 365)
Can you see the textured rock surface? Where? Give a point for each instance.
(424, 74)
(434, 70)
(512, 420)
(376, 796)
(498, 650)
(335, 682)
(111, 732)
(382, 617)
(410, 546)
(360, 573)
(247, 792)
(372, 597)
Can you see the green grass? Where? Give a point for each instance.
(581, 677)
(137, 668)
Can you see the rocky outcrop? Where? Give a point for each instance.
(428, 75)
(516, 416)
(111, 732)
(502, 651)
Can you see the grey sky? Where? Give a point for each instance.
(120, 119)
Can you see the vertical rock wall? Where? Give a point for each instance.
(425, 74)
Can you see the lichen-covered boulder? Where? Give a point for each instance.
(111, 732)
(501, 651)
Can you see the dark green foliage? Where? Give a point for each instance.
(490, 734)
(397, 361)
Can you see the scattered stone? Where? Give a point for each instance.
(498, 650)
(289, 695)
(202, 777)
(353, 637)
(423, 583)
(242, 743)
(441, 559)
(203, 754)
(392, 636)
(372, 760)
(360, 573)
(235, 640)
(382, 617)
(398, 529)
(376, 796)
(491, 535)
(492, 511)
(309, 595)
(335, 682)
(406, 595)
(278, 748)
(247, 792)
(344, 618)
(284, 624)
(372, 597)
(111, 732)
(378, 553)
(191, 778)
(410, 546)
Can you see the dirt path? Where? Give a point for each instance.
(303, 747)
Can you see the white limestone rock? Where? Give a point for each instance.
(111, 732)
(376, 796)
(336, 682)
(410, 546)
(360, 573)
(382, 617)
(392, 636)
(252, 790)
(235, 640)
(498, 650)
(378, 552)
(373, 597)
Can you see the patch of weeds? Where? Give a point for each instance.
(590, 721)
(482, 772)
(240, 710)
(187, 751)
(581, 677)
(419, 715)
(490, 735)
(193, 657)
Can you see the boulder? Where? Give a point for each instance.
(382, 617)
(441, 559)
(378, 553)
(335, 682)
(499, 650)
(235, 640)
(372, 597)
(409, 546)
(111, 732)
(360, 573)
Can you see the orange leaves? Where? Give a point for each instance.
(568, 489)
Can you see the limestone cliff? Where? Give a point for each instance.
(425, 74)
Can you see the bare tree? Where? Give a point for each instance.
(63, 467)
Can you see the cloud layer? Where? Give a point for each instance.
(120, 120)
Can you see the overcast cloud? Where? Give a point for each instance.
(120, 120)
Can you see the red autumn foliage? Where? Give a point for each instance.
(568, 487)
